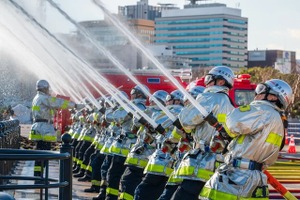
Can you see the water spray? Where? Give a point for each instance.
(112, 58)
(149, 55)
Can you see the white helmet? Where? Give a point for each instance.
(220, 72)
(175, 95)
(279, 88)
(42, 84)
(160, 95)
(197, 89)
(137, 90)
(194, 91)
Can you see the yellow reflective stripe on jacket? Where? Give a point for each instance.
(176, 135)
(89, 168)
(75, 136)
(240, 139)
(49, 138)
(274, 138)
(136, 161)
(100, 146)
(112, 191)
(172, 179)
(245, 108)
(214, 194)
(83, 166)
(36, 108)
(37, 168)
(159, 168)
(119, 150)
(65, 104)
(34, 136)
(189, 171)
(221, 117)
(88, 138)
(125, 196)
(95, 182)
(95, 116)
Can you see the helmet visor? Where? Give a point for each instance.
(208, 78)
(169, 97)
(261, 88)
(133, 91)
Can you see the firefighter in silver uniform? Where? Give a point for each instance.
(258, 134)
(110, 133)
(122, 144)
(160, 164)
(184, 144)
(137, 159)
(200, 163)
(43, 107)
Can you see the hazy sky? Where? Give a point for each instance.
(272, 24)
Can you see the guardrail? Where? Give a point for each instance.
(10, 152)
(9, 139)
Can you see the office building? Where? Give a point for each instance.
(284, 61)
(209, 34)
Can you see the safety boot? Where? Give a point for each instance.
(93, 189)
(84, 178)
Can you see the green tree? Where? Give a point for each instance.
(259, 75)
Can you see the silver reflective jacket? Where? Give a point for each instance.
(259, 132)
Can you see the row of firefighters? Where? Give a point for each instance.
(218, 156)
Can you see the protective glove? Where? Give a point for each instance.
(158, 129)
(212, 120)
(79, 106)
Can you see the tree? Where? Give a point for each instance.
(259, 75)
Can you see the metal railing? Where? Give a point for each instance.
(9, 154)
(9, 139)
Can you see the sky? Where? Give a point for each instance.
(272, 24)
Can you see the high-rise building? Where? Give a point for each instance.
(142, 10)
(209, 34)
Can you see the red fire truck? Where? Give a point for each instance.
(242, 93)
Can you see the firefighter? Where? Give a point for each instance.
(77, 141)
(137, 159)
(42, 130)
(121, 146)
(109, 135)
(85, 168)
(258, 132)
(86, 138)
(184, 144)
(200, 162)
(160, 164)
(97, 158)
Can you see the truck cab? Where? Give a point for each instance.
(242, 92)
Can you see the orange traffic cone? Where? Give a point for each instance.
(292, 147)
